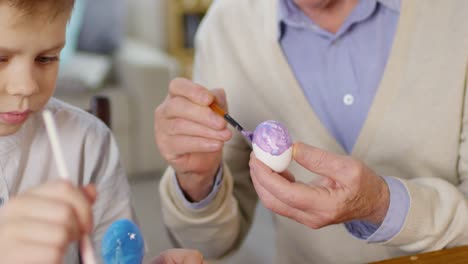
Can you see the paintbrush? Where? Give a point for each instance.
(87, 251)
(220, 111)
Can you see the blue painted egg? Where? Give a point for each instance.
(123, 243)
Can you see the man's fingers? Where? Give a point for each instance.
(294, 194)
(269, 200)
(193, 257)
(321, 162)
(179, 256)
(263, 175)
(181, 145)
(190, 90)
(184, 127)
(180, 107)
(277, 206)
(324, 182)
(220, 98)
(288, 176)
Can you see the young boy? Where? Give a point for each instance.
(40, 215)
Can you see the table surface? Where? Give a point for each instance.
(456, 255)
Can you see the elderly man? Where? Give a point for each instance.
(376, 91)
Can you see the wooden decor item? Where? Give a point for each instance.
(457, 255)
(184, 17)
(100, 106)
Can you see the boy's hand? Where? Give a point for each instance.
(38, 225)
(179, 256)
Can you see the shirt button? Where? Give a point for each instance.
(348, 99)
(315, 28)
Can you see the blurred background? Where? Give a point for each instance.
(128, 51)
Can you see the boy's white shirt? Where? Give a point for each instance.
(91, 155)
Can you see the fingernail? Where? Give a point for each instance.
(295, 150)
(214, 146)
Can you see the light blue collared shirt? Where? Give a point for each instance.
(340, 74)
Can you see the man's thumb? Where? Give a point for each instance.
(220, 97)
(318, 161)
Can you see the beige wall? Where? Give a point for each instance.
(147, 21)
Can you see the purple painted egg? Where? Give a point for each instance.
(272, 144)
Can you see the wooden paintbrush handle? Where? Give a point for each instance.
(217, 109)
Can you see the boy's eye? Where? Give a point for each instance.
(3, 59)
(46, 60)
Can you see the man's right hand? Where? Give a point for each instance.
(190, 136)
(38, 226)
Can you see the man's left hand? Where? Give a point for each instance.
(179, 256)
(348, 189)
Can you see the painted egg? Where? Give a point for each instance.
(272, 144)
(123, 243)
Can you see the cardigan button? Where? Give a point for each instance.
(348, 99)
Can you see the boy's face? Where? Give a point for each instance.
(29, 51)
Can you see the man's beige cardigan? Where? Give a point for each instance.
(416, 131)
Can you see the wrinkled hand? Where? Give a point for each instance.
(38, 225)
(190, 136)
(179, 256)
(347, 191)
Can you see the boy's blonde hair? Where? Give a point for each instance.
(51, 8)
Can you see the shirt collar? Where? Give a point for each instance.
(289, 13)
(10, 142)
(394, 5)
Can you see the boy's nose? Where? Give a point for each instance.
(23, 84)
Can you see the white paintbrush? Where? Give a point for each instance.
(86, 247)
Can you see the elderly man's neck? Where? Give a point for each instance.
(328, 14)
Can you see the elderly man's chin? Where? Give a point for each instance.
(316, 3)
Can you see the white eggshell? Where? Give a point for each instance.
(277, 163)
